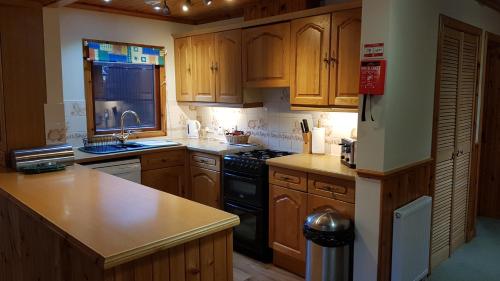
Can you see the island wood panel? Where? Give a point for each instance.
(204, 259)
(398, 190)
(25, 244)
(29, 238)
(345, 50)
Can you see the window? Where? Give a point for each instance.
(123, 77)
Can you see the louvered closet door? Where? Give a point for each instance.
(464, 131)
(449, 69)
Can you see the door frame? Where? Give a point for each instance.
(464, 27)
(474, 192)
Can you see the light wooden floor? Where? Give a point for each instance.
(247, 269)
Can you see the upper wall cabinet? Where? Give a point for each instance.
(310, 60)
(208, 67)
(345, 55)
(325, 60)
(228, 67)
(204, 67)
(266, 56)
(183, 78)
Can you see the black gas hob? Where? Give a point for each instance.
(246, 194)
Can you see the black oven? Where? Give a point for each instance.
(250, 236)
(246, 189)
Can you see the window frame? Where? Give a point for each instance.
(160, 94)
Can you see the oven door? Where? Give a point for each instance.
(250, 235)
(241, 188)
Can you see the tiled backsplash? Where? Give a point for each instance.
(275, 126)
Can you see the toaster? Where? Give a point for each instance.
(348, 152)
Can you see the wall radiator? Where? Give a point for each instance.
(411, 240)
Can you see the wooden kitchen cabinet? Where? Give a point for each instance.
(310, 60)
(203, 60)
(317, 203)
(170, 180)
(345, 55)
(228, 67)
(22, 77)
(205, 186)
(325, 59)
(183, 70)
(266, 59)
(165, 171)
(287, 213)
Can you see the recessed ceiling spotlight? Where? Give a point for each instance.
(186, 5)
(157, 8)
(107, 1)
(207, 2)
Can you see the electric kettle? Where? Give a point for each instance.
(193, 129)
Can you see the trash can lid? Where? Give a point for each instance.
(327, 220)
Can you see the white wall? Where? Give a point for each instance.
(75, 25)
(402, 131)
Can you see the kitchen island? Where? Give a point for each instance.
(81, 224)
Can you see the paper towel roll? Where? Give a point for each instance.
(318, 140)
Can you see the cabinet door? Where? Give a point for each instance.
(202, 47)
(310, 60)
(318, 203)
(205, 186)
(228, 66)
(170, 180)
(183, 78)
(345, 54)
(287, 212)
(266, 56)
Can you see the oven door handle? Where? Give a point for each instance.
(247, 179)
(239, 207)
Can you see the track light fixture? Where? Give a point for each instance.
(186, 5)
(165, 9)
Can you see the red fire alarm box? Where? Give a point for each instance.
(372, 78)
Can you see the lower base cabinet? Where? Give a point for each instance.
(170, 180)
(288, 209)
(205, 186)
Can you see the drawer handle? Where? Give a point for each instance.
(285, 178)
(336, 189)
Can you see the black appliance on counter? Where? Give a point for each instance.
(245, 184)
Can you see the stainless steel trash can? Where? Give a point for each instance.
(329, 241)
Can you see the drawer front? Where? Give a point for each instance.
(288, 178)
(163, 159)
(339, 189)
(207, 161)
(318, 203)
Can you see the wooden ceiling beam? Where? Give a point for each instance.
(494, 4)
(129, 13)
(60, 3)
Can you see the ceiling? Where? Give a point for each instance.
(198, 13)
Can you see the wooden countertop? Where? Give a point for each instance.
(327, 165)
(115, 219)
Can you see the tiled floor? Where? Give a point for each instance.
(246, 269)
(478, 260)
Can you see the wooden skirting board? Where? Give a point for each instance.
(400, 186)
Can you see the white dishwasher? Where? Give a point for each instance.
(129, 169)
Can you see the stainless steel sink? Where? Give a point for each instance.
(127, 146)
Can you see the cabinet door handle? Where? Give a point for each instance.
(216, 67)
(333, 60)
(326, 59)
